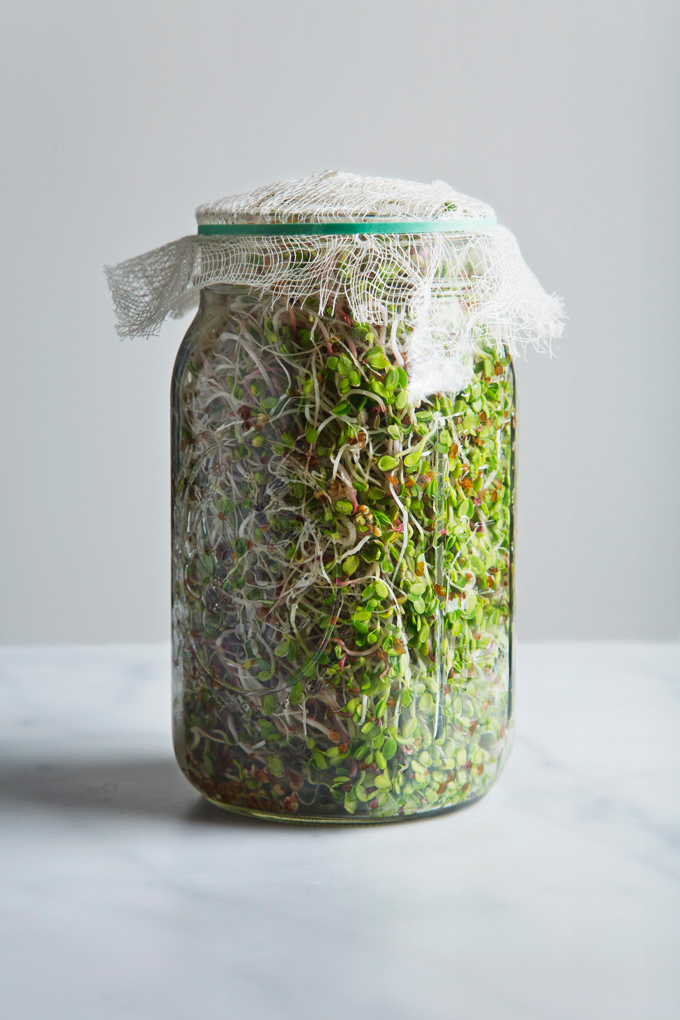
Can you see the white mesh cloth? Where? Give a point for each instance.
(451, 291)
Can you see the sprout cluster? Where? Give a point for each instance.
(342, 566)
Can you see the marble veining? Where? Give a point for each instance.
(124, 895)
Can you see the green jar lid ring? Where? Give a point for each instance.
(368, 227)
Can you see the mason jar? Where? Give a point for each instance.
(342, 565)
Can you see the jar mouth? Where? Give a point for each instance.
(337, 227)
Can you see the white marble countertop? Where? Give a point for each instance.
(126, 896)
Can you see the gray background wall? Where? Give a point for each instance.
(119, 118)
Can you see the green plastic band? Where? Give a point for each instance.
(371, 227)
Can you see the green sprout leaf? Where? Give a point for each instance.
(376, 358)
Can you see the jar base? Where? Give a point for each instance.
(268, 816)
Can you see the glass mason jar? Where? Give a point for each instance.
(342, 568)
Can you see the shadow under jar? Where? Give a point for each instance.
(342, 568)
